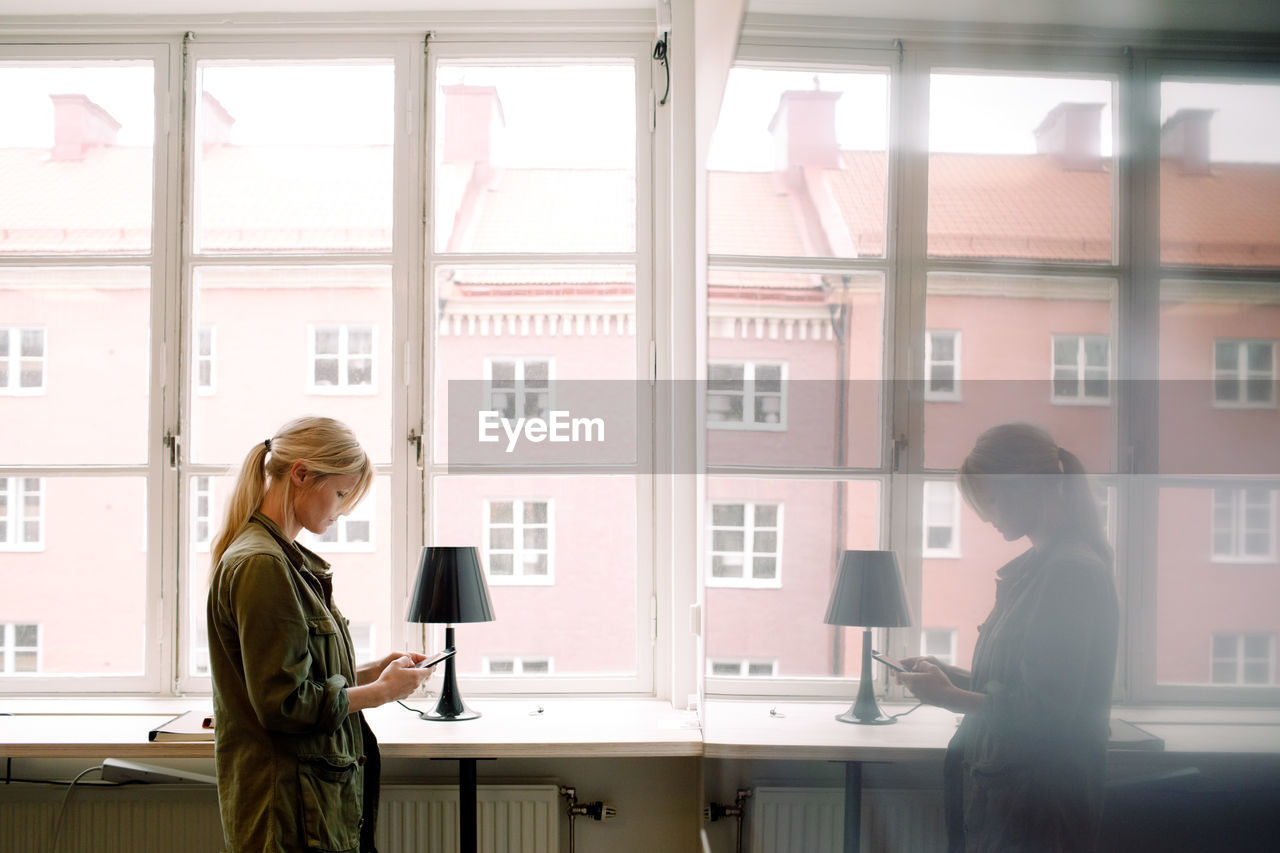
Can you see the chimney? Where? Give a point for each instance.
(1185, 138)
(471, 114)
(804, 130)
(215, 123)
(78, 125)
(1072, 135)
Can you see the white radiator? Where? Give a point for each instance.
(169, 818)
(811, 820)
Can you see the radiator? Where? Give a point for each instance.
(811, 820)
(169, 818)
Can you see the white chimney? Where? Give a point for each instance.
(215, 123)
(471, 115)
(804, 130)
(1185, 138)
(1072, 134)
(78, 125)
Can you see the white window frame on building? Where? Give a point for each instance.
(1240, 660)
(1085, 373)
(932, 364)
(344, 357)
(9, 649)
(1241, 506)
(722, 391)
(742, 667)
(516, 666)
(202, 521)
(18, 516)
(15, 359)
(206, 361)
(929, 644)
(520, 392)
(748, 554)
(941, 511)
(1238, 378)
(364, 643)
(518, 552)
(339, 538)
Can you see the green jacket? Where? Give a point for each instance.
(289, 756)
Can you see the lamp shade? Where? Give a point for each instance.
(868, 591)
(450, 587)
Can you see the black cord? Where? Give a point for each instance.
(402, 705)
(904, 713)
(660, 54)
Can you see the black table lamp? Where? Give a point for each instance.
(450, 589)
(868, 593)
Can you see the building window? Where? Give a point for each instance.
(746, 395)
(941, 519)
(1244, 373)
(201, 511)
(1244, 523)
(741, 667)
(942, 365)
(21, 514)
(746, 545)
(362, 641)
(519, 387)
(518, 537)
(351, 532)
(517, 666)
(342, 359)
(19, 648)
(206, 373)
(1243, 658)
(1081, 368)
(22, 354)
(940, 643)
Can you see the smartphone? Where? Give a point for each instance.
(436, 658)
(888, 661)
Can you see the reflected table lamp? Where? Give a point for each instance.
(450, 589)
(868, 593)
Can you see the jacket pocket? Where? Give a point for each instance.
(329, 796)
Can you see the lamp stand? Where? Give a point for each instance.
(865, 711)
(450, 705)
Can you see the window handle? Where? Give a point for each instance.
(899, 445)
(171, 443)
(415, 438)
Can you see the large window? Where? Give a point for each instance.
(22, 360)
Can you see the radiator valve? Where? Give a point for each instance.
(596, 811)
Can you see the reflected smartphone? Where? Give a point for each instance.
(888, 661)
(436, 658)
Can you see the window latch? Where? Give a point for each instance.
(415, 439)
(171, 442)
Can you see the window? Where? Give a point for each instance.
(748, 395)
(1244, 658)
(942, 365)
(342, 359)
(201, 511)
(1244, 373)
(206, 380)
(351, 532)
(19, 648)
(22, 359)
(746, 545)
(1081, 369)
(738, 668)
(941, 519)
(1244, 524)
(362, 639)
(939, 642)
(517, 666)
(21, 514)
(519, 387)
(519, 547)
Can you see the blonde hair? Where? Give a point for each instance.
(1013, 449)
(328, 447)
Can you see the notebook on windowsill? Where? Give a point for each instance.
(190, 726)
(1125, 735)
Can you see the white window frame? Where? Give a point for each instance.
(950, 656)
(517, 550)
(364, 653)
(200, 358)
(1240, 660)
(10, 650)
(743, 665)
(521, 363)
(16, 517)
(518, 663)
(15, 359)
(933, 489)
(202, 486)
(930, 362)
(1241, 374)
(344, 357)
(749, 394)
(749, 552)
(1082, 369)
(1238, 497)
(342, 543)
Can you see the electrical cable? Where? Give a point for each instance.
(908, 711)
(660, 54)
(57, 823)
(402, 705)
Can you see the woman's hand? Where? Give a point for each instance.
(926, 681)
(399, 679)
(368, 673)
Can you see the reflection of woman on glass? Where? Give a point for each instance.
(297, 764)
(1025, 770)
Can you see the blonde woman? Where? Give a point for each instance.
(297, 764)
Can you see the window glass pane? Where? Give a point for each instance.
(797, 166)
(546, 601)
(1020, 167)
(775, 614)
(279, 312)
(89, 560)
(75, 152)
(1024, 361)
(809, 348)
(313, 138)
(1219, 173)
(105, 312)
(535, 157)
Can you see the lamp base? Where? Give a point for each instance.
(865, 711)
(879, 719)
(449, 707)
(447, 715)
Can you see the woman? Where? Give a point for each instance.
(1025, 770)
(297, 764)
